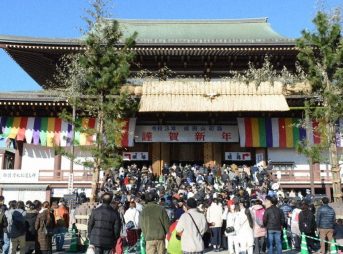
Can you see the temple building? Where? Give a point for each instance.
(195, 116)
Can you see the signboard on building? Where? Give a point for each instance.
(135, 156)
(238, 156)
(259, 157)
(186, 133)
(19, 176)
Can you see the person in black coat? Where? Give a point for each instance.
(31, 233)
(273, 220)
(104, 226)
(307, 225)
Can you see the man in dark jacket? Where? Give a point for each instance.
(273, 219)
(307, 224)
(104, 226)
(154, 223)
(326, 218)
(3, 223)
(31, 233)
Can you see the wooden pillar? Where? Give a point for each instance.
(156, 158)
(165, 154)
(217, 153)
(57, 164)
(328, 191)
(48, 194)
(18, 154)
(208, 154)
(2, 158)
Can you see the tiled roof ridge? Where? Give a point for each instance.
(194, 21)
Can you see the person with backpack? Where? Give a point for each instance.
(131, 218)
(16, 228)
(257, 212)
(31, 233)
(45, 225)
(191, 228)
(61, 215)
(307, 225)
(287, 211)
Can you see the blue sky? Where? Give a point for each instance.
(62, 18)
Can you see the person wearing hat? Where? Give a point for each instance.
(191, 227)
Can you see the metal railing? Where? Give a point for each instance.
(63, 175)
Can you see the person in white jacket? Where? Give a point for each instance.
(131, 218)
(244, 229)
(232, 241)
(215, 220)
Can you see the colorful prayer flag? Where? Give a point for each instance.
(272, 132)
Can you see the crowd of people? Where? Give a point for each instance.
(31, 226)
(187, 209)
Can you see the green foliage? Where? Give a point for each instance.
(267, 73)
(92, 81)
(321, 56)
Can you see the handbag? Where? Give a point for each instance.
(47, 231)
(130, 225)
(90, 249)
(229, 230)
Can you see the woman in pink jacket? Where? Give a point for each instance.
(260, 232)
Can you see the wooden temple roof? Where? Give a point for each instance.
(188, 45)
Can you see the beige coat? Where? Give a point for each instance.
(214, 215)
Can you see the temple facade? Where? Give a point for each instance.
(196, 115)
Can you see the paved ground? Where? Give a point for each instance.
(67, 243)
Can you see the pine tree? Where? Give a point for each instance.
(321, 56)
(93, 81)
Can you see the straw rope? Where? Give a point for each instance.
(201, 96)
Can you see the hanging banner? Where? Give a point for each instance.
(135, 156)
(274, 132)
(186, 133)
(237, 156)
(128, 132)
(259, 157)
(19, 176)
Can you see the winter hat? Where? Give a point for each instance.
(191, 203)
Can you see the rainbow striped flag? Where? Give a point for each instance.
(51, 131)
(274, 132)
(46, 131)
